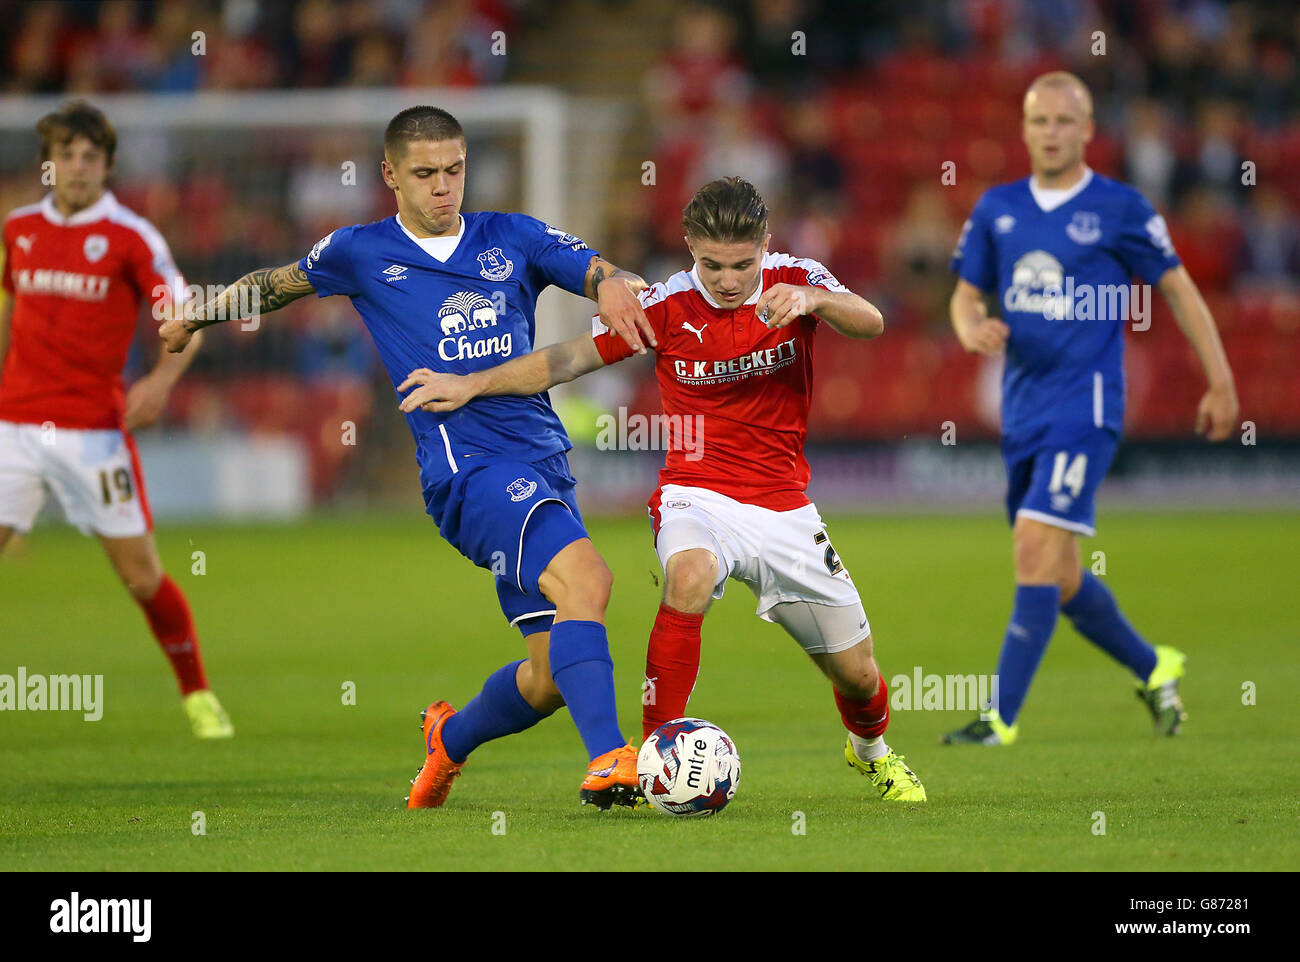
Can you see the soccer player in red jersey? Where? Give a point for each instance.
(77, 266)
(733, 339)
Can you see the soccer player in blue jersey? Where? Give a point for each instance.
(1058, 250)
(456, 293)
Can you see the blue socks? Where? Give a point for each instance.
(1096, 616)
(1093, 613)
(584, 673)
(1032, 621)
(499, 709)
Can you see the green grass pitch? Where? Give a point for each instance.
(289, 614)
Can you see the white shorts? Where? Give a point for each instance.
(94, 474)
(781, 555)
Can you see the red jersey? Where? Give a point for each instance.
(736, 393)
(77, 283)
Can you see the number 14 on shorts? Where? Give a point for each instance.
(1069, 473)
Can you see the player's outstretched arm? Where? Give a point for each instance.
(844, 311)
(256, 293)
(147, 397)
(977, 332)
(530, 373)
(1216, 416)
(615, 290)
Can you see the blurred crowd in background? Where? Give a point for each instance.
(848, 142)
(134, 45)
(842, 114)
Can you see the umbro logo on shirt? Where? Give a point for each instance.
(25, 242)
(1004, 224)
(395, 273)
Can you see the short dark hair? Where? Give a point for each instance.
(420, 123)
(729, 210)
(77, 118)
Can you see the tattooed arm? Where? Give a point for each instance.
(600, 270)
(615, 290)
(256, 293)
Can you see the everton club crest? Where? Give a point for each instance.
(494, 265)
(1085, 228)
(520, 489)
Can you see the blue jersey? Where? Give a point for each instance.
(472, 312)
(1062, 278)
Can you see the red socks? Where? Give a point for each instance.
(672, 663)
(866, 719)
(171, 623)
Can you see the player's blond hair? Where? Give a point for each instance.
(1063, 80)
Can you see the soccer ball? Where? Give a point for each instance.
(688, 767)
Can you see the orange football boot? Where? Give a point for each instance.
(433, 781)
(611, 778)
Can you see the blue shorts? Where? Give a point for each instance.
(1053, 476)
(510, 517)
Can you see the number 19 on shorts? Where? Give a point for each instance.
(121, 485)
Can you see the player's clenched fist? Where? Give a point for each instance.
(437, 392)
(782, 304)
(175, 336)
(1216, 415)
(985, 336)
